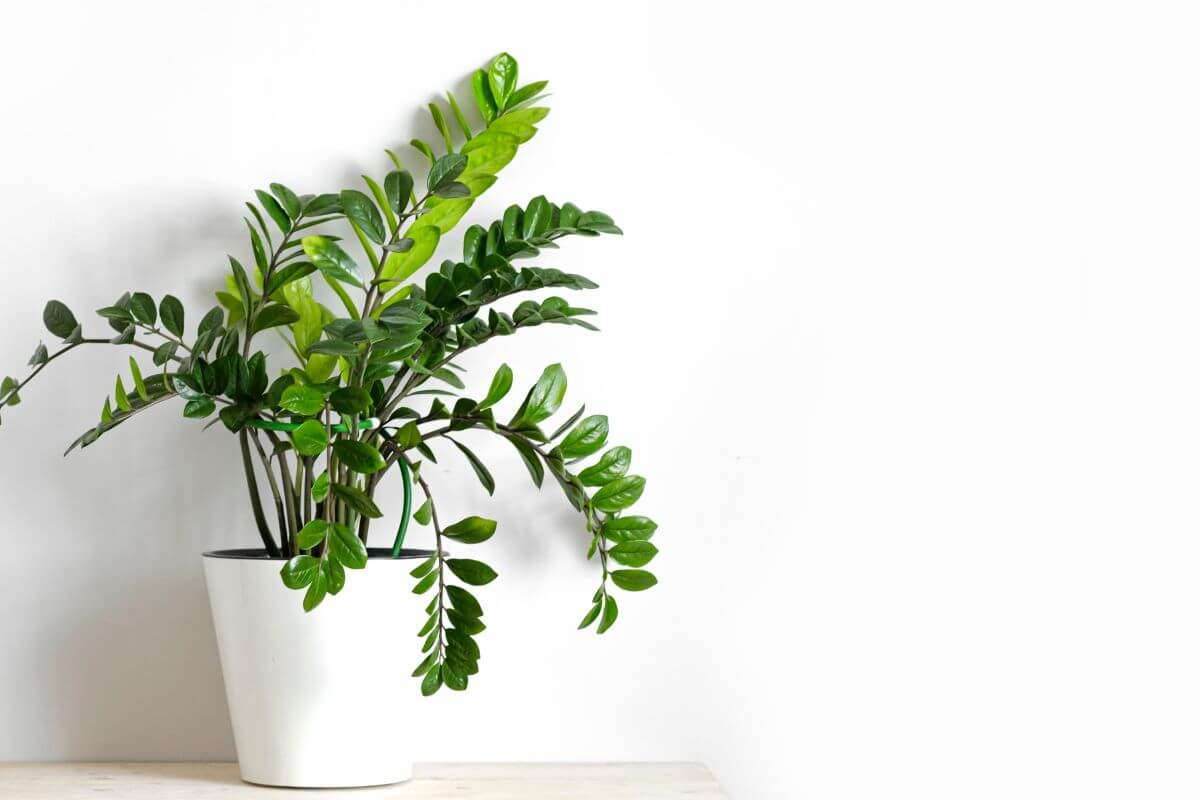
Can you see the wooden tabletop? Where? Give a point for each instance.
(166, 781)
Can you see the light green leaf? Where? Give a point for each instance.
(309, 439)
(299, 571)
(312, 534)
(347, 548)
(301, 399)
(471, 530)
(633, 580)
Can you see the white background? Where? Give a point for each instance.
(903, 333)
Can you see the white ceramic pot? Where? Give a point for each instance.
(319, 699)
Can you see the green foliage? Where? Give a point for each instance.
(374, 381)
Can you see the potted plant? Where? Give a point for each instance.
(372, 388)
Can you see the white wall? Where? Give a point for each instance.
(903, 332)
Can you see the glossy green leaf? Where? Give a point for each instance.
(483, 96)
(444, 170)
(631, 528)
(316, 591)
(398, 186)
(502, 78)
(619, 494)
(199, 407)
(501, 383)
(292, 272)
(544, 398)
(331, 259)
(399, 266)
(347, 548)
(633, 553)
(299, 572)
(312, 534)
(359, 209)
(610, 614)
(586, 438)
(274, 210)
(320, 487)
(612, 465)
(358, 456)
(309, 439)
(287, 198)
(335, 575)
(171, 311)
(301, 399)
(471, 530)
(468, 570)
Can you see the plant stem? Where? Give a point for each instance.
(260, 519)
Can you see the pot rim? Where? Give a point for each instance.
(260, 554)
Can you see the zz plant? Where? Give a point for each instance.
(374, 385)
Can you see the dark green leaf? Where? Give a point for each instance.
(530, 458)
(471, 530)
(285, 275)
(619, 494)
(398, 186)
(445, 170)
(464, 601)
(633, 580)
(426, 583)
(199, 408)
(358, 456)
(141, 305)
(423, 569)
(288, 199)
(274, 210)
(468, 570)
(273, 316)
(357, 500)
(58, 319)
(359, 209)
(171, 311)
(350, 400)
(481, 471)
